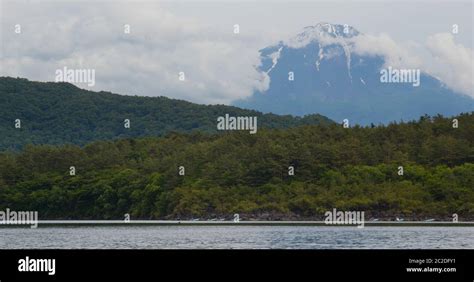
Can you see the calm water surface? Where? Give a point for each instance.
(236, 237)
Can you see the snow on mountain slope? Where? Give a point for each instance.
(334, 78)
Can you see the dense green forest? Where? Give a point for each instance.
(59, 113)
(235, 172)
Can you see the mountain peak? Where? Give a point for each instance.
(323, 32)
(330, 78)
(333, 30)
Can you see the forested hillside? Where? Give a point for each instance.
(59, 113)
(235, 172)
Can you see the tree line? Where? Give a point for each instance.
(353, 168)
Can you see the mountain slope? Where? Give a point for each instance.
(57, 113)
(332, 79)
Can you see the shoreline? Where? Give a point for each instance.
(46, 223)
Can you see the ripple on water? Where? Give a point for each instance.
(236, 237)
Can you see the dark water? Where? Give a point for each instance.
(237, 237)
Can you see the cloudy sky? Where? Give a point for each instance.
(197, 38)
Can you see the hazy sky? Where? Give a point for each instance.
(197, 38)
(402, 19)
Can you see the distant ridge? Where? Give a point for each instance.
(60, 113)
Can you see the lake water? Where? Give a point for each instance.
(236, 237)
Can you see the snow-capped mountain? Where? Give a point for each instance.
(321, 71)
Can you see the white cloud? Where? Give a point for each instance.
(457, 62)
(440, 56)
(219, 66)
(396, 54)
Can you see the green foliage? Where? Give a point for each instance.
(351, 169)
(60, 113)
